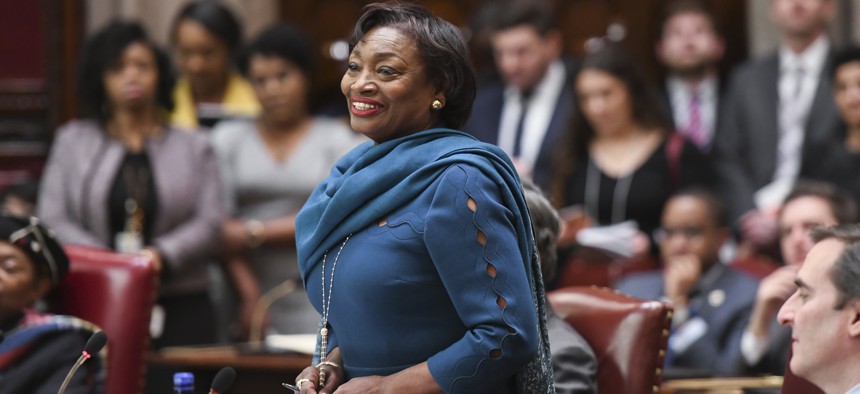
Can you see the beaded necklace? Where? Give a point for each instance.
(326, 307)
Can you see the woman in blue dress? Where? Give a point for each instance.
(418, 250)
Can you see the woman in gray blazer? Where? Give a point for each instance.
(123, 179)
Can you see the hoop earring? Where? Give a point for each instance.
(437, 105)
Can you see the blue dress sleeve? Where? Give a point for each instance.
(472, 242)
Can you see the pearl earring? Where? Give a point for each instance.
(437, 104)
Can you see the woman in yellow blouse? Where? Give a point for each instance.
(205, 36)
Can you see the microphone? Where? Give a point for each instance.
(94, 345)
(223, 380)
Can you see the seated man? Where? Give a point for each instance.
(574, 365)
(39, 349)
(824, 312)
(764, 345)
(712, 301)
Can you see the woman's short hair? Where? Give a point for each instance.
(102, 51)
(441, 47)
(215, 18)
(282, 41)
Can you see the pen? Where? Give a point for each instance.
(295, 389)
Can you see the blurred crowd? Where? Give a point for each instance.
(698, 190)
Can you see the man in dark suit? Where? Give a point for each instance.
(574, 365)
(776, 107)
(690, 48)
(712, 301)
(526, 113)
(765, 343)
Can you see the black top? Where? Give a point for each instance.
(834, 163)
(649, 186)
(134, 181)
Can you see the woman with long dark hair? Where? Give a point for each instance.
(621, 159)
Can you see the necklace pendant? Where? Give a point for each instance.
(324, 331)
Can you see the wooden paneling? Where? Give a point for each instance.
(39, 41)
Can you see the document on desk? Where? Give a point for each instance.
(300, 343)
(616, 238)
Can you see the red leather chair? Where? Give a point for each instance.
(628, 335)
(596, 267)
(116, 292)
(755, 266)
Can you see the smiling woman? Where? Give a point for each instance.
(426, 230)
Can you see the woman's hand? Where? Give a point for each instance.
(334, 378)
(573, 219)
(234, 233)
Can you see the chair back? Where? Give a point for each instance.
(115, 292)
(628, 335)
(757, 267)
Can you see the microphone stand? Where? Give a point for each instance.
(84, 357)
(94, 345)
(266, 300)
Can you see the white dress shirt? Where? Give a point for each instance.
(541, 106)
(753, 348)
(854, 390)
(795, 102)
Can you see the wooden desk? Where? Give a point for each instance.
(722, 385)
(255, 373)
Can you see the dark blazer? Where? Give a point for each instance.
(745, 145)
(487, 113)
(715, 351)
(574, 365)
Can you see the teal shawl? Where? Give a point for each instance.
(373, 180)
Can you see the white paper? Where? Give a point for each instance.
(616, 238)
(302, 343)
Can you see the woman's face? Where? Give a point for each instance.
(281, 87)
(847, 92)
(604, 100)
(132, 81)
(203, 58)
(386, 87)
(20, 286)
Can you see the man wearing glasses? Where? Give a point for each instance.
(712, 301)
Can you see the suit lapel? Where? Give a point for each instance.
(822, 113)
(770, 115)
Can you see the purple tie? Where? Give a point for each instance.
(695, 131)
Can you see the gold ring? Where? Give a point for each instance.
(300, 381)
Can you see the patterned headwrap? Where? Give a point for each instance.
(37, 242)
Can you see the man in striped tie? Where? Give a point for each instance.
(690, 47)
